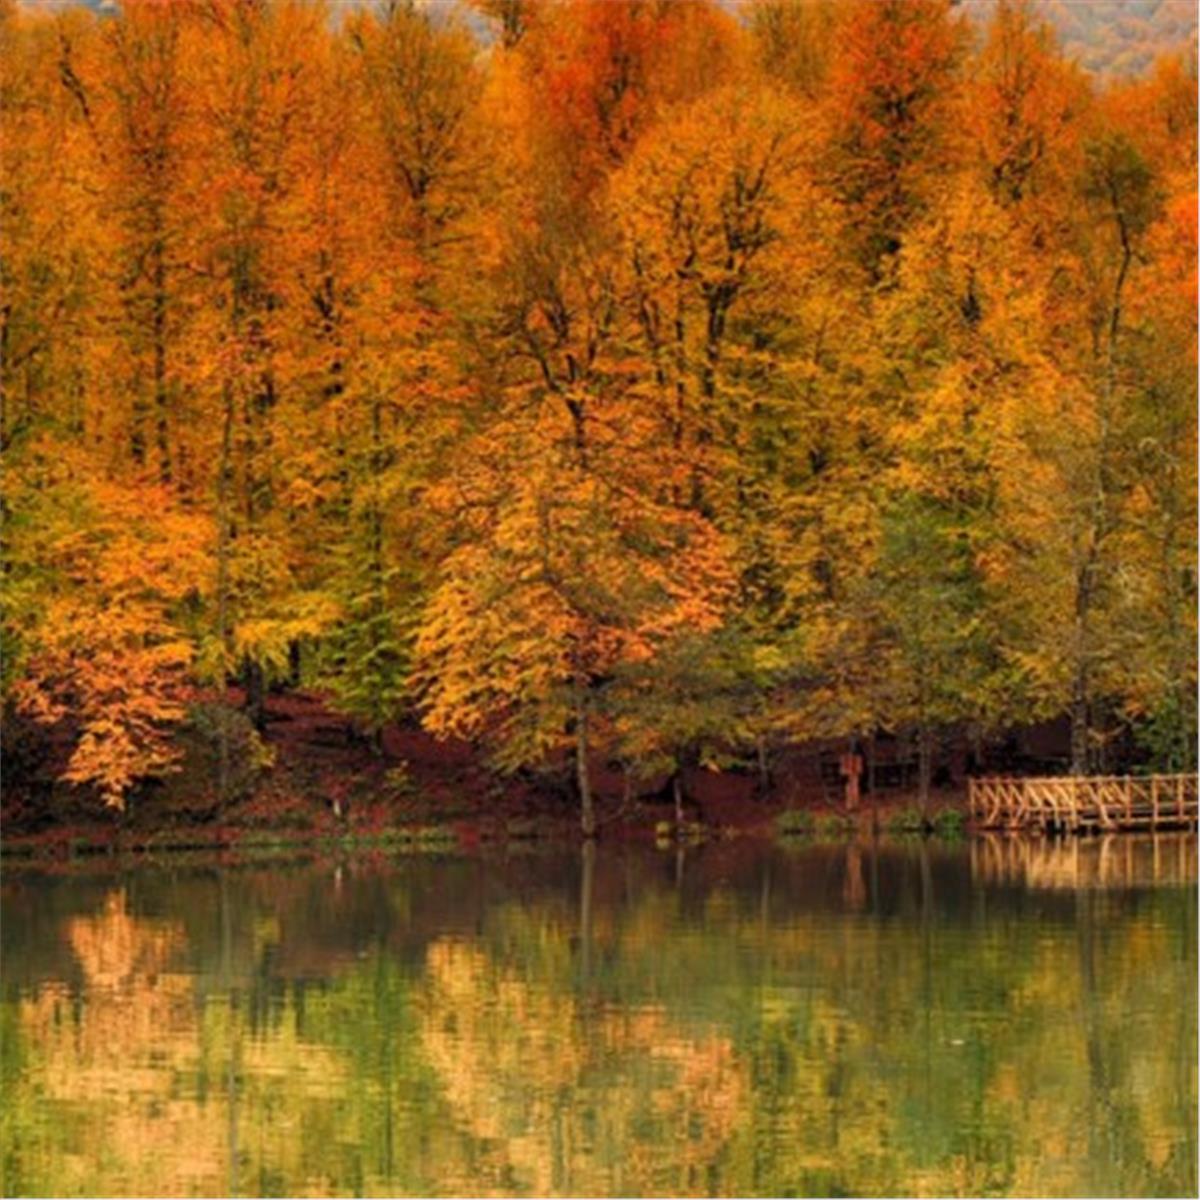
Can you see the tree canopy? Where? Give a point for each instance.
(646, 382)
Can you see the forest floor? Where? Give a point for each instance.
(327, 787)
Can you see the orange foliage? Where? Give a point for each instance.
(638, 349)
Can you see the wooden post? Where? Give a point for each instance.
(850, 767)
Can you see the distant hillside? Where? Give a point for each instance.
(1109, 37)
(1115, 37)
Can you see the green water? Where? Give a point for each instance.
(734, 1020)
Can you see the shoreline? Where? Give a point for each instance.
(649, 828)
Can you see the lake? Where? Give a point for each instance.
(986, 1018)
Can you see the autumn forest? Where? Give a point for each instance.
(643, 382)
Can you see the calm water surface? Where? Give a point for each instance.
(996, 1019)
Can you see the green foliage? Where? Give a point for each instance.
(906, 820)
(692, 705)
(365, 658)
(225, 749)
(834, 825)
(1168, 734)
(795, 822)
(949, 823)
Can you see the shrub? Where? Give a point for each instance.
(832, 825)
(794, 822)
(247, 756)
(949, 823)
(907, 820)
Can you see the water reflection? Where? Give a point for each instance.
(1109, 861)
(855, 1019)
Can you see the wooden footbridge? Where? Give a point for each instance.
(1083, 804)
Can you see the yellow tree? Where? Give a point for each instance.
(49, 219)
(252, 85)
(100, 568)
(1119, 201)
(144, 137)
(796, 41)
(574, 559)
(569, 570)
(961, 341)
(1155, 620)
(730, 298)
(392, 192)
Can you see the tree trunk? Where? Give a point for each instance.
(224, 471)
(926, 886)
(137, 422)
(254, 680)
(586, 888)
(1080, 725)
(978, 750)
(587, 810)
(376, 680)
(162, 434)
(764, 766)
(677, 795)
(924, 770)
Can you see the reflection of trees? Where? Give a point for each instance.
(562, 1096)
(931, 1044)
(1006, 1051)
(138, 1072)
(597, 1027)
(103, 1057)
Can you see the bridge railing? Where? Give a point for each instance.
(1084, 802)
